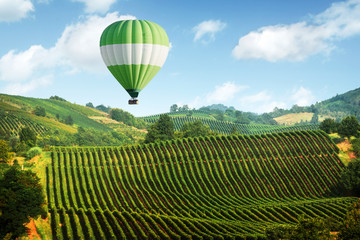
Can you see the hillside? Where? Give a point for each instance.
(337, 107)
(227, 127)
(17, 112)
(213, 188)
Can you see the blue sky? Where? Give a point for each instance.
(251, 54)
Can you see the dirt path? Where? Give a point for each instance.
(32, 233)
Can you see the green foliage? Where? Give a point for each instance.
(241, 118)
(351, 177)
(90, 137)
(89, 104)
(69, 120)
(173, 108)
(21, 198)
(349, 126)
(27, 136)
(35, 151)
(195, 129)
(305, 229)
(162, 130)
(39, 111)
(350, 227)
(127, 118)
(4, 151)
(103, 108)
(58, 98)
(355, 143)
(329, 126)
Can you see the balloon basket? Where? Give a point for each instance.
(133, 101)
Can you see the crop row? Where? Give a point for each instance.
(224, 127)
(272, 179)
(241, 223)
(13, 124)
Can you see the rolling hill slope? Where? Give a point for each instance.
(225, 127)
(213, 188)
(17, 112)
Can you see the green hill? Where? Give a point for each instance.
(227, 127)
(17, 112)
(228, 187)
(337, 107)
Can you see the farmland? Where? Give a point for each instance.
(225, 127)
(221, 187)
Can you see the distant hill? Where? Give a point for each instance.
(337, 107)
(226, 127)
(17, 112)
(341, 105)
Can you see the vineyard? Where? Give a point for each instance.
(224, 127)
(225, 187)
(13, 124)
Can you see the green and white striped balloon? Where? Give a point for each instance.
(134, 51)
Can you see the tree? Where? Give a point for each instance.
(351, 177)
(4, 151)
(21, 198)
(356, 146)
(89, 104)
(103, 108)
(315, 118)
(28, 136)
(220, 116)
(58, 98)
(195, 129)
(126, 117)
(329, 126)
(349, 126)
(241, 118)
(162, 130)
(350, 227)
(173, 108)
(39, 111)
(69, 120)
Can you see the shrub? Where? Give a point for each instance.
(35, 151)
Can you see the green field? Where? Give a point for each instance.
(228, 187)
(225, 127)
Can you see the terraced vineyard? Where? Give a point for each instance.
(12, 124)
(224, 127)
(228, 187)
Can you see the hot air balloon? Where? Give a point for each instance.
(134, 51)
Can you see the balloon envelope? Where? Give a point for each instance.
(134, 51)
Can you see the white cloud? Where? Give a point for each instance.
(302, 97)
(79, 43)
(224, 92)
(297, 41)
(93, 6)
(208, 28)
(76, 50)
(14, 10)
(259, 103)
(18, 88)
(19, 66)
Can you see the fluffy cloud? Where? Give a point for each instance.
(76, 50)
(224, 93)
(298, 41)
(14, 10)
(208, 28)
(19, 88)
(100, 6)
(79, 43)
(302, 97)
(259, 103)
